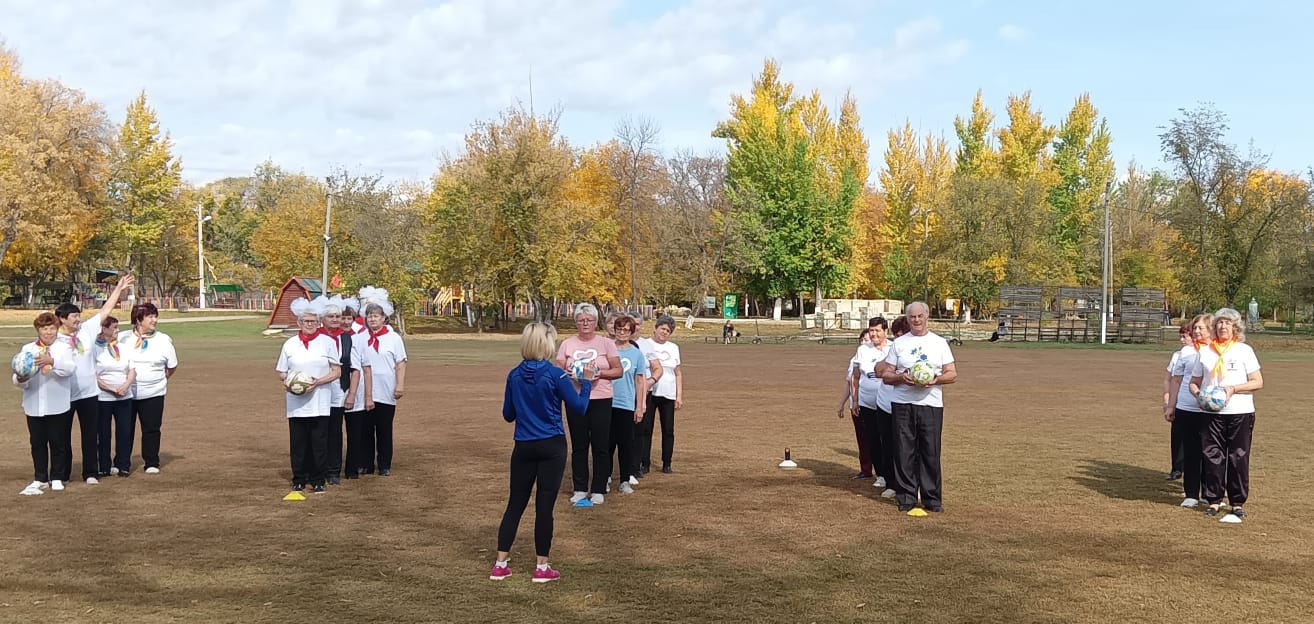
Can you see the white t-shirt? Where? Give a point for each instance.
(84, 377)
(48, 393)
(1182, 364)
(151, 359)
(908, 350)
(315, 359)
(383, 364)
(1238, 362)
(869, 385)
(645, 346)
(668, 355)
(113, 371)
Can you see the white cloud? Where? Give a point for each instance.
(388, 86)
(1012, 32)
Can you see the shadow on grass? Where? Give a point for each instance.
(1127, 482)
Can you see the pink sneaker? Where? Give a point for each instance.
(499, 573)
(546, 575)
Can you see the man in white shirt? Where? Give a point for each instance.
(917, 409)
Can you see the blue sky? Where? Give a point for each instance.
(390, 86)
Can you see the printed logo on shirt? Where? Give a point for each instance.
(584, 356)
(625, 365)
(664, 356)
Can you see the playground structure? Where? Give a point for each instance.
(1072, 314)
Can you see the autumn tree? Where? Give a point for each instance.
(1083, 167)
(694, 228)
(916, 180)
(144, 188)
(289, 238)
(54, 152)
(638, 177)
(786, 162)
(977, 156)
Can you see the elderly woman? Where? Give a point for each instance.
(849, 406)
(155, 360)
(115, 376)
(1230, 363)
(385, 355)
(667, 395)
(334, 326)
(314, 354)
(589, 351)
(1183, 411)
(534, 393)
(47, 405)
(356, 377)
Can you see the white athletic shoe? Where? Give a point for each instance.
(114, 471)
(57, 485)
(608, 488)
(626, 488)
(33, 489)
(1190, 503)
(888, 493)
(596, 499)
(152, 470)
(578, 496)
(880, 482)
(634, 480)
(93, 481)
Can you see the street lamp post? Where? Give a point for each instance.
(200, 255)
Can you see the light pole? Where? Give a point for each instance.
(200, 255)
(328, 215)
(1106, 271)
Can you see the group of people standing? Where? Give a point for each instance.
(613, 387)
(1211, 449)
(341, 369)
(897, 414)
(112, 380)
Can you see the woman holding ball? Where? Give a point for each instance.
(313, 354)
(1228, 362)
(1182, 410)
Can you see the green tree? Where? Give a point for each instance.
(145, 185)
(1084, 166)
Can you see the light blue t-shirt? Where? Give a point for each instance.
(631, 360)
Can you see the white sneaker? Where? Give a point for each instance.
(32, 489)
(1190, 503)
(93, 481)
(596, 499)
(57, 485)
(1230, 519)
(578, 496)
(152, 470)
(880, 482)
(626, 488)
(888, 493)
(608, 488)
(114, 471)
(634, 480)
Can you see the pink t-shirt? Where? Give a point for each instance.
(595, 350)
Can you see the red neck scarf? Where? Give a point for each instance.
(306, 340)
(374, 337)
(333, 333)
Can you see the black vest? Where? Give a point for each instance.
(345, 345)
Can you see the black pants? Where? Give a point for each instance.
(590, 430)
(151, 414)
(376, 436)
(622, 442)
(308, 442)
(52, 446)
(114, 416)
(1187, 424)
(541, 462)
(873, 419)
(335, 441)
(88, 411)
(1225, 443)
(917, 454)
(658, 406)
(358, 459)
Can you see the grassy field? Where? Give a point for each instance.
(1057, 510)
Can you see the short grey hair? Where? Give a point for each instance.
(1238, 325)
(330, 308)
(586, 308)
(666, 320)
(371, 308)
(907, 310)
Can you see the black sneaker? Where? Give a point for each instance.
(335, 480)
(667, 469)
(317, 489)
(385, 472)
(1173, 476)
(298, 487)
(905, 508)
(351, 475)
(935, 508)
(1239, 512)
(861, 475)
(1212, 510)
(645, 470)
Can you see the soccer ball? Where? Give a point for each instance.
(299, 382)
(922, 373)
(23, 364)
(577, 369)
(1213, 398)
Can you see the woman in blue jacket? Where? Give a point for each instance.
(534, 392)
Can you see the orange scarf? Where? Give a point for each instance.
(143, 340)
(1216, 375)
(112, 345)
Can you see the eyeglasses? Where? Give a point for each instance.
(309, 321)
